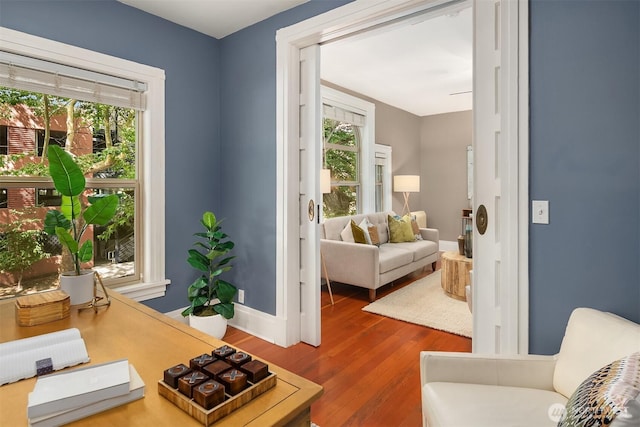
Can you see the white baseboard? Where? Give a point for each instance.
(447, 245)
(249, 320)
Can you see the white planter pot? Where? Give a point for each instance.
(216, 326)
(79, 288)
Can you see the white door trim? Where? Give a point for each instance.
(340, 22)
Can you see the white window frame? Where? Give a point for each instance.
(383, 158)
(151, 151)
(366, 160)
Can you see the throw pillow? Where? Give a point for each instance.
(347, 233)
(373, 235)
(360, 232)
(608, 397)
(400, 230)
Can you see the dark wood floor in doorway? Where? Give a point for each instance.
(367, 364)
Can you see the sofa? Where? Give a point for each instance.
(475, 390)
(373, 265)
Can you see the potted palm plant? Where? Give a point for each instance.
(72, 220)
(210, 297)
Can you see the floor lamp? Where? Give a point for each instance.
(406, 184)
(325, 188)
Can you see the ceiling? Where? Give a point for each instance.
(423, 66)
(216, 18)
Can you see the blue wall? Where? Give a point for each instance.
(192, 122)
(585, 114)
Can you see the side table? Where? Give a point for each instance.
(455, 274)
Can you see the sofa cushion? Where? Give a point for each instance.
(392, 257)
(360, 234)
(400, 229)
(592, 340)
(419, 249)
(478, 405)
(608, 394)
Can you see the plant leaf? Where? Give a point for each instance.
(226, 291)
(67, 239)
(70, 207)
(102, 210)
(208, 220)
(85, 253)
(65, 173)
(198, 261)
(55, 219)
(225, 309)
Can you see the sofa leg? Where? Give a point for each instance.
(372, 295)
(433, 265)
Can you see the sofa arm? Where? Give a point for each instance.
(530, 371)
(432, 234)
(352, 263)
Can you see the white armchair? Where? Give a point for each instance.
(474, 390)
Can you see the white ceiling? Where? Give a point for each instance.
(216, 18)
(423, 66)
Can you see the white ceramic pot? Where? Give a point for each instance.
(79, 288)
(216, 326)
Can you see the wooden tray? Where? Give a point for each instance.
(231, 403)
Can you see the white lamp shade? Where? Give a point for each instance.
(325, 181)
(406, 183)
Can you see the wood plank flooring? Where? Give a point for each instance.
(368, 364)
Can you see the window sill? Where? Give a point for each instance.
(144, 291)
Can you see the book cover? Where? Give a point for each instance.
(78, 387)
(136, 391)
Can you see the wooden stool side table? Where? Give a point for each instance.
(455, 274)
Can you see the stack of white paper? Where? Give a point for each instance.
(68, 396)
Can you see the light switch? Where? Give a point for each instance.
(540, 211)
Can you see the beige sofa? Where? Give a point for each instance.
(474, 390)
(370, 266)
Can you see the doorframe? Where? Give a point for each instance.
(348, 20)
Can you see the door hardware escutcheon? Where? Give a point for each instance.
(482, 219)
(312, 210)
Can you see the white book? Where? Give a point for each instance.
(18, 358)
(78, 387)
(136, 391)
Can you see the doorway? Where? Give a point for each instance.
(297, 273)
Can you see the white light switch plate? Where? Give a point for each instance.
(540, 211)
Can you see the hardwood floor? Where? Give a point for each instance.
(368, 364)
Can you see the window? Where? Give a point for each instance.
(56, 137)
(4, 139)
(115, 98)
(348, 152)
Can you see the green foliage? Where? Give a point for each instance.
(209, 294)
(20, 246)
(70, 222)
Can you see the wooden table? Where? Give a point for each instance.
(455, 274)
(152, 342)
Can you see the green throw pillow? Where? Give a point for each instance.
(400, 230)
(358, 233)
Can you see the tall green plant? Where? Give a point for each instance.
(212, 260)
(66, 223)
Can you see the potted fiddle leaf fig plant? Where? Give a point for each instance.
(210, 297)
(71, 221)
